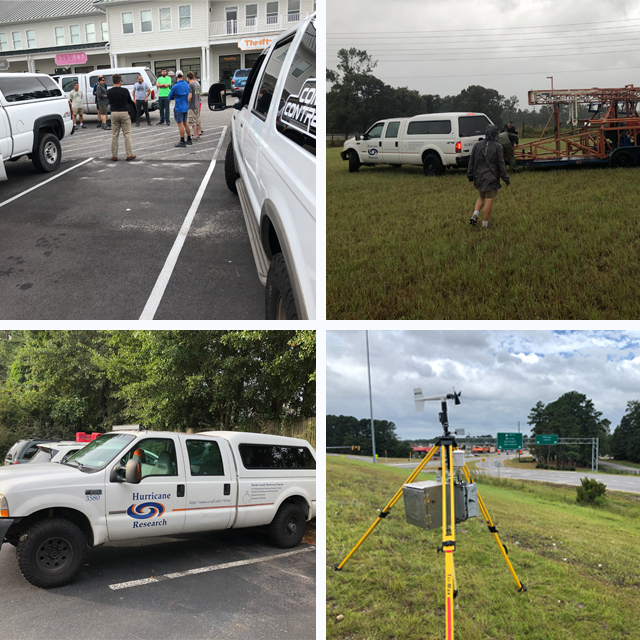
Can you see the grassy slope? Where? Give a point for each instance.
(393, 587)
(565, 245)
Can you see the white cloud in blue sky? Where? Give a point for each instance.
(502, 374)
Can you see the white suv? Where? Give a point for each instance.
(271, 165)
(34, 117)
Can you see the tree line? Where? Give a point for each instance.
(55, 383)
(357, 99)
(348, 432)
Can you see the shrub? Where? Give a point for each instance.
(591, 492)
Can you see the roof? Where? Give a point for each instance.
(63, 48)
(22, 10)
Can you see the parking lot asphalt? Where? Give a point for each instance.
(91, 243)
(272, 598)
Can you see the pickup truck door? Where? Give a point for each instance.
(389, 143)
(370, 148)
(156, 505)
(6, 141)
(211, 485)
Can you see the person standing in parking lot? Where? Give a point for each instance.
(193, 117)
(180, 93)
(140, 94)
(164, 89)
(102, 102)
(76, 105)
(119, 99)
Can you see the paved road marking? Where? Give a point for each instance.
(215, 567)
(155, 298)
(45, 182)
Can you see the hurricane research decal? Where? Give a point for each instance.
(145, 510)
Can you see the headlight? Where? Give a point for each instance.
(4, 507)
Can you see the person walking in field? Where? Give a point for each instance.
(76, 105)
(180, 93)
(120, 100)
(193, 117)
(486, 167)
(505, 140)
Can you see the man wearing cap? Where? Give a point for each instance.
(164, 89)
(180, 93)
(102, 102)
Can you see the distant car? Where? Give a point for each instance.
(56, 451)
(238, 81)
(23, 450)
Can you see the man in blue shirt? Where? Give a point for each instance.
(180, 93)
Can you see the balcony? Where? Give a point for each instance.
(254, 26)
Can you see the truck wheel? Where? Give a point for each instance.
(230, 173)
(279, 301)
(51, 552)
(354, 162)
(622, 159)
(287, 528)
(432, 165)
(47, 156)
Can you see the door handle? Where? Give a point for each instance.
(180, 491)
(227, 489)
(396, 143)
(380, 143)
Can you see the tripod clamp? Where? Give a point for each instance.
(447, 543)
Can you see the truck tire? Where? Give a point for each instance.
(287, 528)
(622, 159)
(279, 301)
(230, 173)
(354, 162)
(50, 552)
(47, 156)
(432, 165)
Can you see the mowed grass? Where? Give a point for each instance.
(581, 565)
(565, 244)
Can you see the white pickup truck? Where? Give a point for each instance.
(133, 483)
(34, 117)
(433, 140)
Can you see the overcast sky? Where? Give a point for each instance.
(510, 45)
(502, 374)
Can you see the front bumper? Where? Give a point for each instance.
(5, 524)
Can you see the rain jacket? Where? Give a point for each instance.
(486, 164)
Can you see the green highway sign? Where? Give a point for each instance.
(545, 439)
(509, 441)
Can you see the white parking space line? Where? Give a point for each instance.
(215, 567)
(58, 175)
(155, 298)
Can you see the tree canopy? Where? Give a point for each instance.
(625, 441)
(347, 431)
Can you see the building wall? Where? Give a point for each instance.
(157, 40)
(218, 7)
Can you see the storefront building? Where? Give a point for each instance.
(212, 38)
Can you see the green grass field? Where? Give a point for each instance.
(580, 564)
(565, 244)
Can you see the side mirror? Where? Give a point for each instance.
(133, 472)
(237, 105)
(117, 474)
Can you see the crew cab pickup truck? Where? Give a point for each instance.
(434, 140)
(34, 117)
(133, 483)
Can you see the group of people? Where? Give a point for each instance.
(122, 105)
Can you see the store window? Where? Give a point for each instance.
(228, 66)
(90, 32)
(165, 19)
(251, 15)
(250, 59)
(4, 43)
(272, 13)
(17, 40)
(74, 31)
(185, 16)
(190, 64)
(145, 21)
(169, 65)
(85, 69)
(127, 23)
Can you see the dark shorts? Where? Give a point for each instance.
(488, 194)
(179, 116)
(102, 109)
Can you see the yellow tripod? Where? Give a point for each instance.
(446, 445)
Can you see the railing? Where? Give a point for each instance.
(248, 26)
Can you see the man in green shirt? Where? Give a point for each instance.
(164, 89)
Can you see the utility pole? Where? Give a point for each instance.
(373, 436)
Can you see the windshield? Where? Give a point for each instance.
(102, 451)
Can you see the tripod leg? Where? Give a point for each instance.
(494, 531)
(385, 512)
